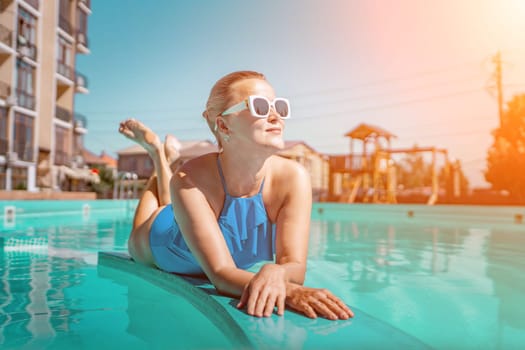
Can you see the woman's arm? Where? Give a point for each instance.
(293, 222)
(201, 233)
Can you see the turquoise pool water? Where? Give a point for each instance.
(442, 277)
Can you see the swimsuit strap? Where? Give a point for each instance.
(221, 174)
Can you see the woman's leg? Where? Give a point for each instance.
(156, 195)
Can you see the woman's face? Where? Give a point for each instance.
(245, 129)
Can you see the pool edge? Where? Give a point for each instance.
(199, 298)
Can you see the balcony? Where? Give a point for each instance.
(82, 42)
(65, 70)
(80, 121)
(65, 24)
(86, 4)
(25, 99)
(34, 3)
(5, 90)
(25, 48)
(81, 83)
(63, 114)
(6, 35)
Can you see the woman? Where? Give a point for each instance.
(220, 213)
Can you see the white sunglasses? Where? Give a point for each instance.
(259, 107)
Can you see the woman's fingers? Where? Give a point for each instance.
(270, 305)
(252, 302)
(322, 308)
(244, 298)
(340, 304)
(281, 301)
(260, 303)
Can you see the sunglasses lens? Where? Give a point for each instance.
(281, 107)
(261, 106)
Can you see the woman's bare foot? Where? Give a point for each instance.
(172, 148)
(141, 134)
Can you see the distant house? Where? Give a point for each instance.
(136, 160)
(314, 162)
(92, 160)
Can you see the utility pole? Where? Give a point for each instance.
(497, 76)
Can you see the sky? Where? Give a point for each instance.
(422, 70)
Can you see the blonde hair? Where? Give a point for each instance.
(220, 95)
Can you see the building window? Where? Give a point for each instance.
(64, 15)
(3, 130)
(26, 32)
(25, 84)
(64, 58)
(61, 145)
(19, 178)
(23, 140)
(82, 22)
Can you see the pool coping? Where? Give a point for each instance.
(200, 297)
(291, 331)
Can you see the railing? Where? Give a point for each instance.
(81, 80)
(61, 157)
(82, 39)
(63, 114)
(25, 48)
(80, 121)
(6, 35)
(24, 150)
(86, 3)
(65, 70)
(25, 99)
(3, 146)
(64, 23)
(5, 90)
(34, 3)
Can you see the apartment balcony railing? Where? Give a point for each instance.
(25, 99)
(86, 3)
(25, 48)
(3, 146)
(63, 114)
(65, 24)
(34, 3)
(5, 90)
(81, 80)
(6, 35)
(24, 150)
(65, 70)
(61, 157)
(82, 39)
(80, 121)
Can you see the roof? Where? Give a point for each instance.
(363, 131)
(189, 149)
(104, 159)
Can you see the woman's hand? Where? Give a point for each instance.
(265, 290)
(317, 302)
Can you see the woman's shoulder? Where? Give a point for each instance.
(286, 170)
(196, 169)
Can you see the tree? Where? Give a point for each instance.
(506, 156)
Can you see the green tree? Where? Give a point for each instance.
(104, 188)
(506, 156)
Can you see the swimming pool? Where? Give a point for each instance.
(416, 276)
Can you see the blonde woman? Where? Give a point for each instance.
(220, 213)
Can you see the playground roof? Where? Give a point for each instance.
(363, 131)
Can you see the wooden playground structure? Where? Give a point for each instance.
(372, 175)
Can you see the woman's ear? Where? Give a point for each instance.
(221, 126)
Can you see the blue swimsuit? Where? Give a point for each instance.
(244, 223)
